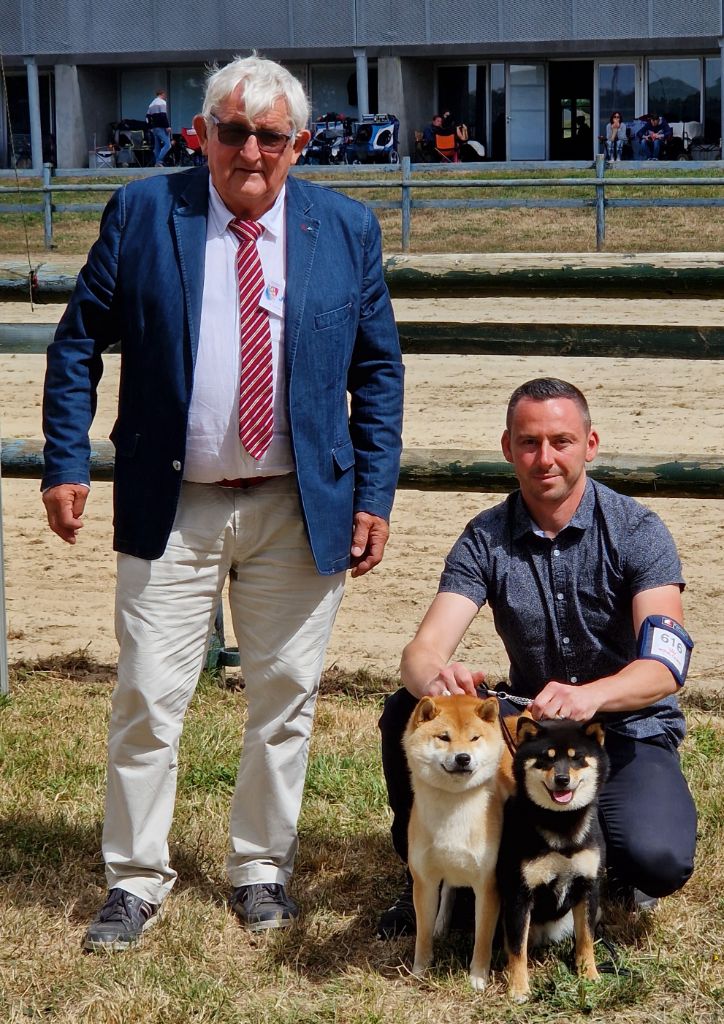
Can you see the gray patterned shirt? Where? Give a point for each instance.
(562, 606)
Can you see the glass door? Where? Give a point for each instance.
(619, 88)
(526, 112)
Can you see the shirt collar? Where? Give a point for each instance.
(581, 519)
(220, 216)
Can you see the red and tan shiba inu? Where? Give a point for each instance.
(454, 747)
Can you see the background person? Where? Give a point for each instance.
(157, 120)
(654, 135)
(571, 571)
(615, 137)
(249, 306)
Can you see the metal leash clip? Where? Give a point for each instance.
(522, 702)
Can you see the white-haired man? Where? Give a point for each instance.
(248, 306)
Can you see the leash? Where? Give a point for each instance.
(521, 702)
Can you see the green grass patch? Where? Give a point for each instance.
(197, 965)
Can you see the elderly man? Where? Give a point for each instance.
(249, 305)
(585, 589)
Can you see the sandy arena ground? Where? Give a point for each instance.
(60, 598)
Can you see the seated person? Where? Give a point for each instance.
(572, 572)
(615, 137)
(583, 138)
(431, 131)
(654, 135)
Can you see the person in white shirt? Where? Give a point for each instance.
(158, 122)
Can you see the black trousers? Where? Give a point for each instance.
(647, 813)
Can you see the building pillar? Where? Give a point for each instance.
(36, 130)
(73, 141)
(405, 88)
(363, 96)
(721, 95)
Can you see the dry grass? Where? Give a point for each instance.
(199, 966)
(467, 230)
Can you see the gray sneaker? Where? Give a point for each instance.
(264, 905)
(120, 923)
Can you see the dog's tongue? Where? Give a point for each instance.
(562, 797)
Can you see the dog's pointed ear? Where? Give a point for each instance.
(595, 729)
(488, 710)
(527, 730)
(425, 711)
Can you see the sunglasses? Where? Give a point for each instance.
(231, 133)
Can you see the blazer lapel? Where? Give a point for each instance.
(302, 233)
(189, 219)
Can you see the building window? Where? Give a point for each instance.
(616, 91)
(186, 96)
(334, 90)
(497, 112)
(675, 89)
(712, 98)
(138, 88)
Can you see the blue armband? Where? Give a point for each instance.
(663, 639)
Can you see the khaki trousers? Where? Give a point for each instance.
(282, 612)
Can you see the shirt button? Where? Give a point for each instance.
(574, 679)
(556, 553)
(559, 597)
(566, 640)
(176, 465)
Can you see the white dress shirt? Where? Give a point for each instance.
(213, 449)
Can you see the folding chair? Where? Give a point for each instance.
(446, 148)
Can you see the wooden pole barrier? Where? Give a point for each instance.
(420, 337)
(446, 275)
(451, 469)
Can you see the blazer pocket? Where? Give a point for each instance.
(124, 441)
(332, 318)
(344, 456)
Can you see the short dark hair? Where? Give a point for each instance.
(544, 388)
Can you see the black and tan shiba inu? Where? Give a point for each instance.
(552, 851)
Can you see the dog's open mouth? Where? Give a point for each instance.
(561, 796)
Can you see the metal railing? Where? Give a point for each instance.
(406, 179)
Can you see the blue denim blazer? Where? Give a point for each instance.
(142, 287)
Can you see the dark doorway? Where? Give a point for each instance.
(18, 110)
(570, 91)
(461, 92)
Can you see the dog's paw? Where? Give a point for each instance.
(519, 995)
(479, 980)
(589, 972)
(419, 968)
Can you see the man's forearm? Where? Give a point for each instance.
(638, 685)
(420, 664)
(641, 683)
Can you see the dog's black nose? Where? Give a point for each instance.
(562, 780)
(462, 760)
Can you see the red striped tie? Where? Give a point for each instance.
(256, 393)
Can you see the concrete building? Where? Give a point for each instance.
(532, 79)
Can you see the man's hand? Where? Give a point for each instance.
(453, 678)
(64, 505)
(368, 542)
(559, 700)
